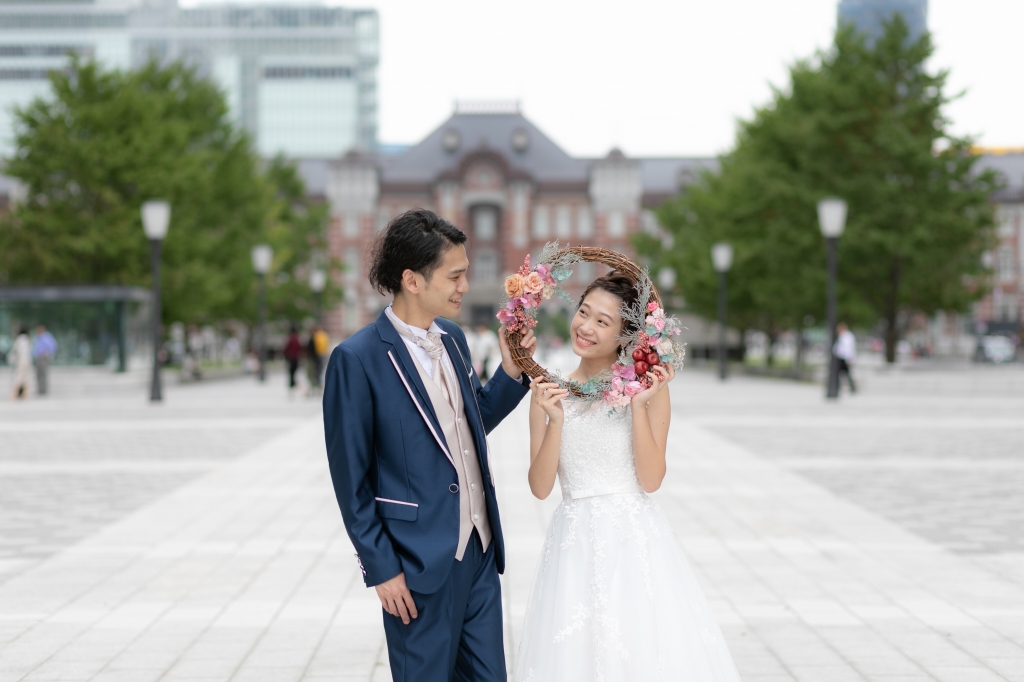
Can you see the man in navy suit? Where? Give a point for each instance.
(406, 420)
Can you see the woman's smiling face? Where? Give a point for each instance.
(596, 326)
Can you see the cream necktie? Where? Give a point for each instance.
(435, 349)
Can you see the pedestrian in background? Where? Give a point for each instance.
(484, 347)
(845, 350)
(323, 346)
(316, 349)
(44, 348)
(20, 358)
(292, 355)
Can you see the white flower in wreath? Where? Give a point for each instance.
(664, 347)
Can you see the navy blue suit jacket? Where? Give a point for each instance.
(392, 469)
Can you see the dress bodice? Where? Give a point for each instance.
(597, 450)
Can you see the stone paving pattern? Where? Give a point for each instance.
(75, 462)
(237, 567)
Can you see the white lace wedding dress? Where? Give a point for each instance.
(614, 598)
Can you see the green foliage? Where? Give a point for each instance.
(296, 233)
(102, 143)
(865, 123)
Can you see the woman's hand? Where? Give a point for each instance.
(548, 397)
(659, 375)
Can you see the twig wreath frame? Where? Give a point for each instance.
(651, 340)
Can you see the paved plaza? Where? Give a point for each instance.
(877, 538)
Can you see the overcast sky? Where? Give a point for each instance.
(657, 77)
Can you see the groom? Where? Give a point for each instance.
(405, 418)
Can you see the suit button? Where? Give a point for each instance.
(475, 517)
(459, 420)
(453, 488)
(472, 486)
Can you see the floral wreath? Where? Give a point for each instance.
(650, 344)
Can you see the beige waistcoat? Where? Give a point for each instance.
(459, 437)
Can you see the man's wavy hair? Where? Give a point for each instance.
(416, 240)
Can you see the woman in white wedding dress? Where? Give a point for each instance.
(614, 598)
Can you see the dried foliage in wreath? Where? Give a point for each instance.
(651, 343)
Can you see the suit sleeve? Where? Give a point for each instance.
(348, 428)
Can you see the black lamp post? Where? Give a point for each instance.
(721, 258)
(832, 220)
(156, 216)
(262, 257)
(317, 282)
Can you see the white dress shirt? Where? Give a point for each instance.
(419, 354)
(846, 346)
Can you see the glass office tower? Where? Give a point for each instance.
(301, 79)
(869, 16)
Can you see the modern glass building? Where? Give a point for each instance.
(301, 79)
(869, 16)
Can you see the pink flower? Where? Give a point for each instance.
(533, 283)
(617, 383)
(664, 347)
(632, 388)
(656, 322)
(629, 373)
(528, 301)
(652, 306)
(506, 317)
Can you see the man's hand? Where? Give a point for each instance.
(527, 343)
(396, 598)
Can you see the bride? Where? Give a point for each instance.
(614, 597)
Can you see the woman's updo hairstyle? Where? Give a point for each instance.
(618, 284)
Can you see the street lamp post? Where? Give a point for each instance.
(156, 216)
(317, 282)
(262, 256)
(832, 220)
(721, 258)
(666, 280)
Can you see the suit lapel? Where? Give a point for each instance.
(388, 334)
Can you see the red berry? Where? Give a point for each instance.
(652, 359)
(641, 367)
(639, 355)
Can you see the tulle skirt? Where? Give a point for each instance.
(615, 599)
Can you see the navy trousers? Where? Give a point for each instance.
(458, 634)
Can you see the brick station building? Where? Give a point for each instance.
(508, 186)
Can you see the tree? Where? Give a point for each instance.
(296, 233)
(105, 141)
(863, 122)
